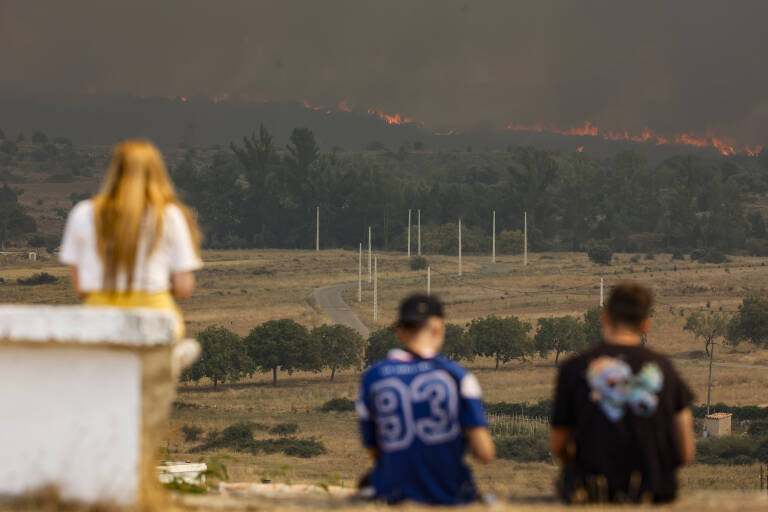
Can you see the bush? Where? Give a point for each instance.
(50, 242)
(191, 432)
(678, 255)
(39, 278)
(239, 437)
(708, 256)
(714, 256)
(291, 446)
(732, 450)
(338, 405)
(284, 429)
(418, 263)
(523, 448)
(697, 254)
(600, 254)
(540, 409)
(758, 428)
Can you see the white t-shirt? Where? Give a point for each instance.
(173, 253)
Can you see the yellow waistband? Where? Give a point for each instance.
(132, 299)
(138, 299)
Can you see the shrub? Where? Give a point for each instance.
(338, 405)
(418, 263)
(600, 254)
(697, 254)
(714, 256)
(191, 432)
(39, 278)
(731, 450)
(284, 429)
(758, 428)
(678, 255)
(650, 256)
(539, 409)
(291, 446)
(523, 448)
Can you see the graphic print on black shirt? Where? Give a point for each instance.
(620, 403)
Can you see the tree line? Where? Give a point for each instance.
(288, 346)
(256, 194)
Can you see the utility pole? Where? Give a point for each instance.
(493, 238)
(360, 274)
(709, 380)
(317, 231)
(419, 232)
(429, 280)
(409, 232)
(525, 239)
(375, 289)
(459, 247)
(369, 254)
(602, 303)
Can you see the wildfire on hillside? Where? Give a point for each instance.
(686, 139)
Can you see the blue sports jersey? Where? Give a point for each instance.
(413, 410)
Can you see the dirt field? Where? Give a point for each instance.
(240, 289)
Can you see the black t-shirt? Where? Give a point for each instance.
(620, 403)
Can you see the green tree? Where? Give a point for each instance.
(751, 322)
(559, 335)
(593, 328)
(285, 345)
(600, 254)
(503, 339)
(14, 221)
(340, 346)
(458, 345)
(379, 343)
(39, 137)
(224, 357)
(708, 328)
(303, 148)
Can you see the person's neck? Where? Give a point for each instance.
(625, 338)
(423, 350)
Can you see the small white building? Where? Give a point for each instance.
(717, 424)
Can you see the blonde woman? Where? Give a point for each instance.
(134, 244)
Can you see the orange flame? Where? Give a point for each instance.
(220, 98)
(647, 135)
(580, 149)
(345, 107)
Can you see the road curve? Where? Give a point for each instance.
(330, 301)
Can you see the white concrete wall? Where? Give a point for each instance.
(70, 417)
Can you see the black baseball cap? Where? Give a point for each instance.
(416, 309)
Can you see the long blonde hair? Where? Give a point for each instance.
(136, 185)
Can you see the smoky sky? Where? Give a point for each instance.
(672, 66)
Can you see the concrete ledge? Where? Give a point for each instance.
(86, 325)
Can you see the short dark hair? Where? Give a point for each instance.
(416, 310)
(629, 304)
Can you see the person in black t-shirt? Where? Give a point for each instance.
(621, 420)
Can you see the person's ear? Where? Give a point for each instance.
(401, 334)
(646, 325)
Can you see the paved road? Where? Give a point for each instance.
(330, 301)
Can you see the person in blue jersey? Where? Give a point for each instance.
(419, 413)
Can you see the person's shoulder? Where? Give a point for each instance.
(82, 212)
(173, 212)
(82, 208)
(452, 367)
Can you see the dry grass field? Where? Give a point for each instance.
(240, 289)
